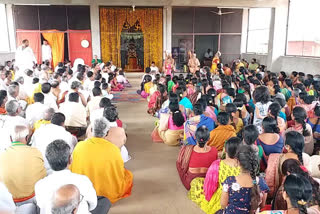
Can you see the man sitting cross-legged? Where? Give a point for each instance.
(58, 154)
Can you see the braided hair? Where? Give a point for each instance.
(300, 115)
(231, 108)
(274, 110)
(177, 116)
(239, 104)
(296, 142)
(292, 166)
(249, 162)
(162, 89)
(299, 190)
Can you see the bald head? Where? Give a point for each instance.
(117, 136)
(66, 200)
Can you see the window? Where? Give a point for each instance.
(303, 31)
(201, 28)
(4, 36)
(258, 30)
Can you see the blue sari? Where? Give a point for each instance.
(186, 103)
(190, 134)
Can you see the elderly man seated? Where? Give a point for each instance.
(46, 118)
(35, 111)
(58, 154)
(47, 133)
(9, 121)
(101, 161)
(66, 200)
(21, 166)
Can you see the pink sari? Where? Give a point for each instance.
(211, 182)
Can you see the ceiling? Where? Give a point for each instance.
(199, 3)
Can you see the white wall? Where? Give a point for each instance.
(300, 64)
(6, 57)
(261, 58)
(289, 63)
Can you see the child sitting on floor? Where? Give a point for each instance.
(106, 91)
(122, 79)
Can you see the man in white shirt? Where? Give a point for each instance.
(74, 112)
(208, 54)
(3, 85)
(9, 121)
(58, 154)
(13, 91)
(88, 84)
(25, 58)
(93, 104)
(49, 99)
(154, 68)
(36, 111)
(46, 51)
(47, 133)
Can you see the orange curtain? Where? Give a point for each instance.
(56, 41)
(75, 48)
(111, 22)
(34, 41)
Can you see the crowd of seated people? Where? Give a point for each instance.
(62, 144)
(248, 138)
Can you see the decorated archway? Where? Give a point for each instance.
(145, 37)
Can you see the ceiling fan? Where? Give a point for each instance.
(219, 13)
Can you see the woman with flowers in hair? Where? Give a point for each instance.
(297, 193)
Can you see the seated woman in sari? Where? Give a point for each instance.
(274, 111)
(171, 125)
(250, 134)
(299, 116)
(197, 119)
(294, 145)
(291, 166)
(209, 111)
(237, 122)
(206, 193)
(182, 95)
(115, 86)
(297, 193)
(269, 141)
(315, 125)
(307, 103)
(191, 87)
(157, 99)
(212, 108)
(194, 161)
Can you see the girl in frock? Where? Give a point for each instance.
(245, 193)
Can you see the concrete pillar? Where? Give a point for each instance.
(278, 36)
(95, 29)
(244, 33)
(167, 28)
(11, 28)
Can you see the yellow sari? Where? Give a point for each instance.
(214, 66)
(102, 163)
(197, 195)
